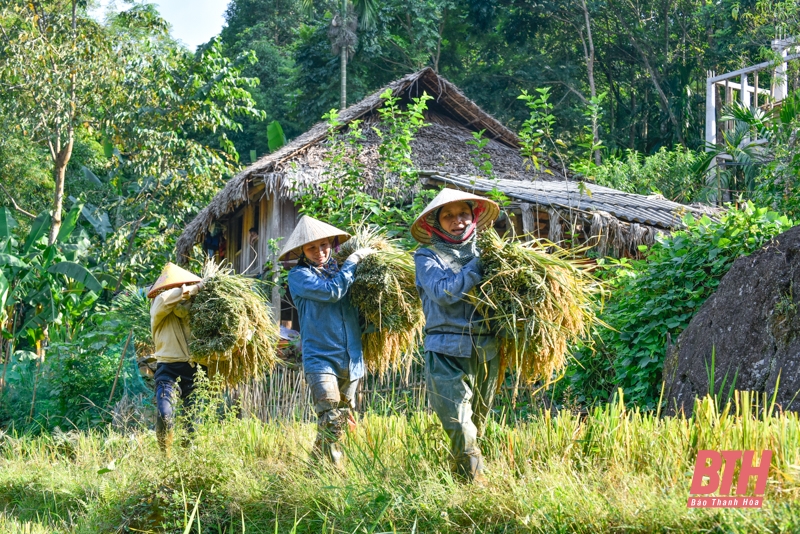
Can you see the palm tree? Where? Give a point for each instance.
(744, 151)
(351, 14)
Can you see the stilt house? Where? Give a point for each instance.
(263, 195)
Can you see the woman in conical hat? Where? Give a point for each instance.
(169, 323)
(461, 363)
(329, 327)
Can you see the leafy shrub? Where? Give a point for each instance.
(778, 185)
(668, 172)
(658, 296)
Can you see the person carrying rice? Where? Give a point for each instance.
(329, 328)
(461, 363)
(169, 322)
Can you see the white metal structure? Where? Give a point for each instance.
(749, 94)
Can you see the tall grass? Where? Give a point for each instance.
(616, 469)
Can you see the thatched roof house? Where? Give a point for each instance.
(440, 146)
(262, 195)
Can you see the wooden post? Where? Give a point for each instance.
(247, 251)
(263, 231)
(711, 111)
(780, 86)
(744, 95)
(274, 226)
(529, 222)
(755, 89)
(728, 99)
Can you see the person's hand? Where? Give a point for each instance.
(479, 266)
(191, 290)
(201, 284)
(360, 254)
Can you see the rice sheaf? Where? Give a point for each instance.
(538, 299)
(384, 291)
(233, 331)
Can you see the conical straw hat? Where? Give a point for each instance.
(172, 276)
(309, 230)
(487, 212)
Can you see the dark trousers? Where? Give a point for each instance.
(174, 381)
(461, 391)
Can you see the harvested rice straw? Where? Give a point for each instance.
(131, 308)
(541, 302)
(385, 293)
(233, 331)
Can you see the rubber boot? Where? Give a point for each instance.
(475, 470)
(165, 436)
(329, 431)
(469, 468)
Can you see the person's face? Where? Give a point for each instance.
(318, 251)
(455, 217)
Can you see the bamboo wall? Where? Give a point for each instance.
(285, 395)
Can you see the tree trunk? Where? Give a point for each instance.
(590, 70)
(662, 97)
(343, 61)
(343, 87)
(59, 171)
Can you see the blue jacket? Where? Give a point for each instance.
(329, 326)
(452, 326)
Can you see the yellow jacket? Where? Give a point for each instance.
(169, 323)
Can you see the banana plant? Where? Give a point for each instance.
(45, 289)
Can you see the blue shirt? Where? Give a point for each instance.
(452, 325)
(329, 326)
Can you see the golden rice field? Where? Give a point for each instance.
(616, 470)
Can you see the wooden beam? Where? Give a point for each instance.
(274, 226)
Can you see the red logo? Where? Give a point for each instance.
(709, 466)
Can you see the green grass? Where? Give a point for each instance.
(617, 470)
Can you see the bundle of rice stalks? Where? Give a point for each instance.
(131, 308)
(540, 302)
(233, 331)
(385, 293)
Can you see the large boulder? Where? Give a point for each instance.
(751, 325)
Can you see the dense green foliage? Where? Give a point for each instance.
(666, 172)
(649, 59)
(133, 143)
(656, 297)
(341, 198)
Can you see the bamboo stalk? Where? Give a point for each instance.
(119, 367)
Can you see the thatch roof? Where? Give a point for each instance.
(611, 221)
(441, 146)
(653, 210)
